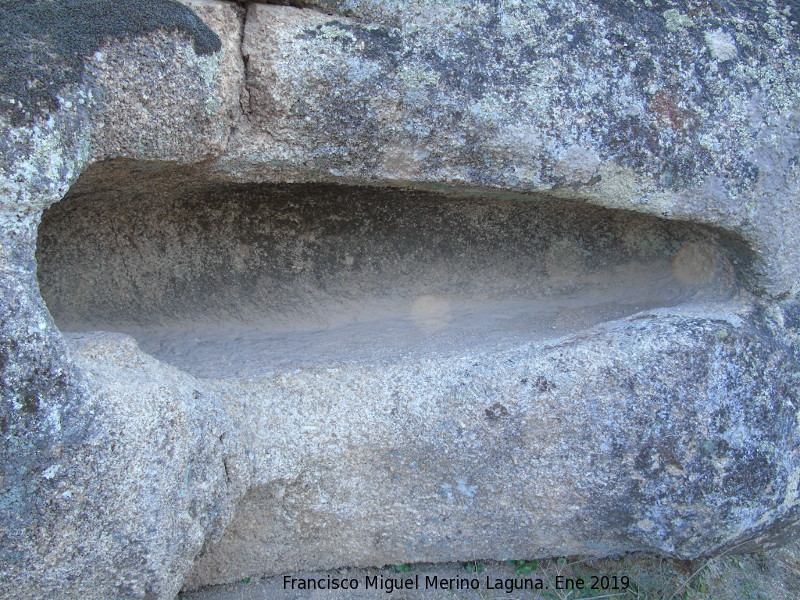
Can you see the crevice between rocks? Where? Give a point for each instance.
(244, 93)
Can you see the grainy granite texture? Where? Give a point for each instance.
(104, 493)
(234, 176)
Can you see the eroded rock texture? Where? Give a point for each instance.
(379, 282)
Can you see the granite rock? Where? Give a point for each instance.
(354, 283)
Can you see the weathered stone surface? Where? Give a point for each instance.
(158, 85)
(380, 282)
(47, 43)
(629, 438)
(99, 496)
(673, 111)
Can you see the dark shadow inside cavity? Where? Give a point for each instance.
(226, 279)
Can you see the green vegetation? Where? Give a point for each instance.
(524, 567)
(473, 567)
(771, 575)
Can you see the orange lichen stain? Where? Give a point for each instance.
(663, 105)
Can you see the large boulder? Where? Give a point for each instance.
(378, 282)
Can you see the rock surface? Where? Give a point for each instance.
(677, 112)
(379, 282)
(105, 493)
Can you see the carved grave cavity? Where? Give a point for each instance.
(225, 279)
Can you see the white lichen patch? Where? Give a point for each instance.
(417, 77)
(333, 32)
(721, 45)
